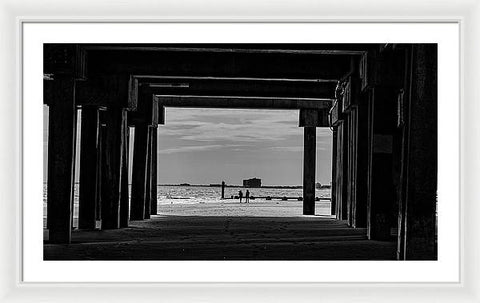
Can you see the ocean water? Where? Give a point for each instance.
(194, 194)
(198, 194)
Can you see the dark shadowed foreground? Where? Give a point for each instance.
(171, 237)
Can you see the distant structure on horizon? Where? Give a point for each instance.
(254, 182)
(318, 185)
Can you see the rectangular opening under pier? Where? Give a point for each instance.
(379, 100)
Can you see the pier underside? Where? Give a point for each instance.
(378, 100)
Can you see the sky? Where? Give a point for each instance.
(203, 146)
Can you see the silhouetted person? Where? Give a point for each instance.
(247, 197)
(240, 196)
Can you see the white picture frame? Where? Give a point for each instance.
(12, 289)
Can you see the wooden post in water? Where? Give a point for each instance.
(88, 193)
(223, 189)
(139, 172)
(61, 153)
(153, 195)
(112, 178)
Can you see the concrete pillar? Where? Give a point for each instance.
(381, 194)
(352, 166)
(153, 188)
(148, 177)
(333, 194)
(343, 202)
(113, 160)
(309, 157)
(100, 166)
(419, 239)
(338, 171)
(124, 196)
(88, 194)
(61, 160)
(362, 165)
(341, 170)
(309, 120)
(139, 172)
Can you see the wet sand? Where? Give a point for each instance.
(256, 208)
(227, 231)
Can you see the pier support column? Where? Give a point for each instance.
(381, 194)
(153, 195)
(309, 120)
(148, 177)
(362, 164)
(101, 169)
(112, 178)
(139, 171)
(417, 239)
(124, 197)
(339, 169)
(61, 155)
(88, 195)
(333, 194)
(309, 163)
(342, 170)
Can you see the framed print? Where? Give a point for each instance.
(210, 157)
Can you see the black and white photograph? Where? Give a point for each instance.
(244, 151)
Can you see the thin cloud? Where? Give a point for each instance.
(195, 148)
(184, 149)
(231, 125)
(292, 148)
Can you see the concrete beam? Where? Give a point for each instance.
(243, 102)
(211, 86)
(64, 59)
(274, 48)
(298, 64)
(106, 90)
(313, 118)
(147, 110)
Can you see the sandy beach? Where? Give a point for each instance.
(232, 208)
